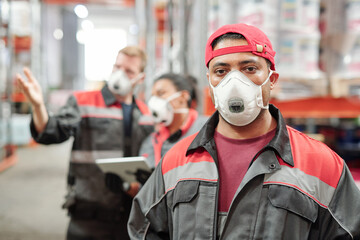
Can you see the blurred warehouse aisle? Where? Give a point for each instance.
(32, 193)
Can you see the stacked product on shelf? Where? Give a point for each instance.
(21, 36)
(292, 26)
(7, 158)
(340, 59)
(340, 45)
(298, 50)
(15, 53)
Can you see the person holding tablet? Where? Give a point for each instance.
(170, 104)
(104, 123)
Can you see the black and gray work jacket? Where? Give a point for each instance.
(295, 188)
(95, 120)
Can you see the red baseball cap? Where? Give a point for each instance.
(258, 43)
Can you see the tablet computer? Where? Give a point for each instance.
(125, 167)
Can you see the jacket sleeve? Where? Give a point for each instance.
(60, 126)
(147, 150)
(345, 209)
(149, 218)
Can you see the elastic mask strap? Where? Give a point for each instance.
(271, 72)
(260, 101)
(172, 97)
(211, 84)
(137, 78)
(213, 89)
(181, 110)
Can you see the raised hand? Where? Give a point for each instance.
(33, 93)
(30, 88)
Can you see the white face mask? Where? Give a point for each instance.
(161, 109)
(238, 99)
(120, 84)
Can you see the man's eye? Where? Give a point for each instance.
(220, 72)
(251, 69)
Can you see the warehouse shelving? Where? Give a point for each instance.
(19, 47)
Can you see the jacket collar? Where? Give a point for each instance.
(280, 143)
(109, 98)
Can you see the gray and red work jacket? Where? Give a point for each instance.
(95, 120)
(159, 142)
(295, 188)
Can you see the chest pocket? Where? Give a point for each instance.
(184, 192)
(293, 201)
(191, 205)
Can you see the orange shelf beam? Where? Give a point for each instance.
(319, 107)
(313, 107)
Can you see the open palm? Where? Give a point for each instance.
(30, 88)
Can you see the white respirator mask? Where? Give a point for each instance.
(119, 83)
(161, 109)
(238, 99)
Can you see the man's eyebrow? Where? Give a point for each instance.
(244, 62)
(247, 62)
(220, 64)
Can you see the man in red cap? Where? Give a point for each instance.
(246, 175)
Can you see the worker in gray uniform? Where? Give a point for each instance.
(105, 123)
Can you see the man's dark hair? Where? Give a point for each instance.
(225, 36)
(194, 90)
(232, 36)
(180, 82)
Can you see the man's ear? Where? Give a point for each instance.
(273, 80)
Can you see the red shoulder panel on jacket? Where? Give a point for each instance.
(90, 98)
(176, 156)
(315, 158)
(142, 107)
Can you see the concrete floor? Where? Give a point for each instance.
(32, 192)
